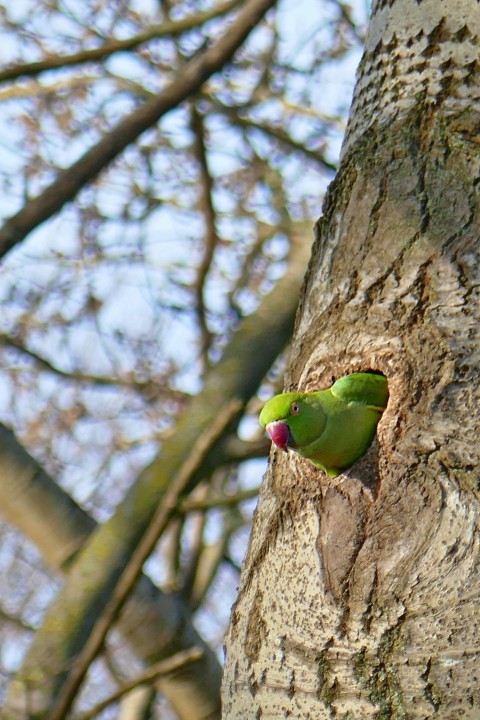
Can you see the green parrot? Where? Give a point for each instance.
(331, 428)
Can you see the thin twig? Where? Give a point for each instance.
(274, 132)
(211, 237)
(17, 621)
(163, 667)
(169, 28)
(148, 388)
(196, 548)
(219, 501)
(211, 557)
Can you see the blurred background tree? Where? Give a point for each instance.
(163, 164)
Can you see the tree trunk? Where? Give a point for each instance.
(359, 596)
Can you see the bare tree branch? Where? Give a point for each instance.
(210, 558)
(149, 389)
(138, 704)
(132, 570)
(274, 132)
(169, 28)
(163, 667)
(46, 514)
(186, 577)
(187, 82)
(210, 236)
(219, 501)
(14, 619)
(244, 364)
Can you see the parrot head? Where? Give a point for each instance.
(291, 420)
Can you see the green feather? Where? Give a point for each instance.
(332, 428)
(365, 388)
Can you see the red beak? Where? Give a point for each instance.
(279, 433)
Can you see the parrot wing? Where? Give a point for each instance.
(367, 389)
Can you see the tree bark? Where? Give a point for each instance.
(359, 595)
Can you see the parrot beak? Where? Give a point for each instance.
(279, 433)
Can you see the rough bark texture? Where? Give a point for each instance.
(359, 596)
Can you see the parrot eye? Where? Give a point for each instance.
(294, 408)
